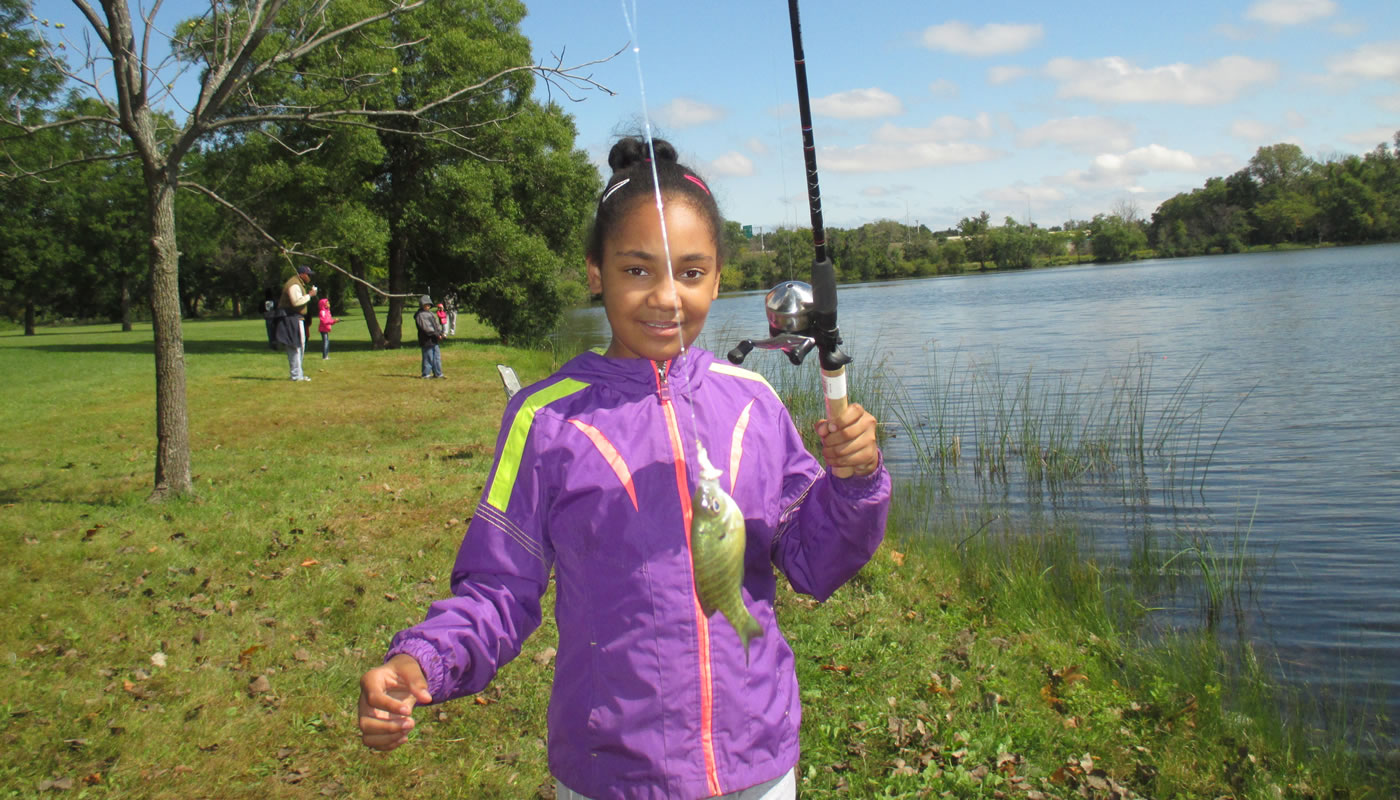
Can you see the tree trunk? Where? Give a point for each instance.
(28, 317)
(237, 308)
(126, 303)
(376, 336)
(172, 415)
(398, 282)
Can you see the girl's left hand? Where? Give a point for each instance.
(849, 441)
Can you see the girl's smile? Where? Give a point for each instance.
(650, 309)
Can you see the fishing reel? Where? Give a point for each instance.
(794, 327)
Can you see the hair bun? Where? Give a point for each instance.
(633, 150)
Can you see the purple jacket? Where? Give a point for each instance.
(593, 477)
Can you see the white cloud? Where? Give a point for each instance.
(1371, 137)
(732, 165)
(1080, 134)
(943, 88)
(1389, 102)
(999, 75)
(858, 104)
(1295, 119)
(1374, 60)
(684, 112)
(1290, 12)
(988, 40)
(887, 157)
(1348, 28)
(1123, 170)
(1115, 80)
(1251, 130)
(759, 147)
(943, 129)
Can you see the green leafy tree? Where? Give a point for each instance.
(1115, 239)
(497, 222)
(976, 236)
(1013, 246)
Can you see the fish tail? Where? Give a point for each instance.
(748, 628)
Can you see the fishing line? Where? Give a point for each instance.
(630, 18)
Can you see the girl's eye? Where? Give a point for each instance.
(639, 272)
(693, 274)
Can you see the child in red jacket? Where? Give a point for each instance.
(326, 322)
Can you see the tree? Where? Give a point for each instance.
(1013, 246)
(1279, 166)
(1115, 239)
(975, 233)
(240, 46)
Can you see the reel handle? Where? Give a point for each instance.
(834, 390)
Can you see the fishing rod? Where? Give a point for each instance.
(802, 316)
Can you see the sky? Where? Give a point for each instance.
(929, 112)
(926, 113)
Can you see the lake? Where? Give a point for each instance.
(1282, 371)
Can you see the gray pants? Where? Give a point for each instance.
(784, 788)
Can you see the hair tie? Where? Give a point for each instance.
(697, 182)
(612, 189)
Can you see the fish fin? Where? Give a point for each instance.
(748, 628)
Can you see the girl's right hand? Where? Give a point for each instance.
(388, 694)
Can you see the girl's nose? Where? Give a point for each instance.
(663, 293)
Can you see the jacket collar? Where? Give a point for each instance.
(636, 377)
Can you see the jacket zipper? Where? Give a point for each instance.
(702, 624)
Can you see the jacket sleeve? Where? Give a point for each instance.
(830, 526)
(502, 571)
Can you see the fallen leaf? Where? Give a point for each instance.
(545, 656)
(310, 562)
(246, 656)
(259, 685)
(158, 659)
(897, 557)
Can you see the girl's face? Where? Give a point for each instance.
(649, 311)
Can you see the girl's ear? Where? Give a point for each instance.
(595, 278)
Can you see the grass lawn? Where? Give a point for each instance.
(210, 647)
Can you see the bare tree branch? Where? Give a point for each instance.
(288, 249)
(56, 166)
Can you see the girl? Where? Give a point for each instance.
(594, 472)
(326, 322)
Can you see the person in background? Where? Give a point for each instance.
(430, 333)
(326, 322)
(291, 332)
(442, 317)
(451, 314)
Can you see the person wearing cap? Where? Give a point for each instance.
(291, 333)
(430, 332)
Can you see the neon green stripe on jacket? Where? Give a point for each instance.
(508, 463)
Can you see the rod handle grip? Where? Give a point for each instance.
(834, 388)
